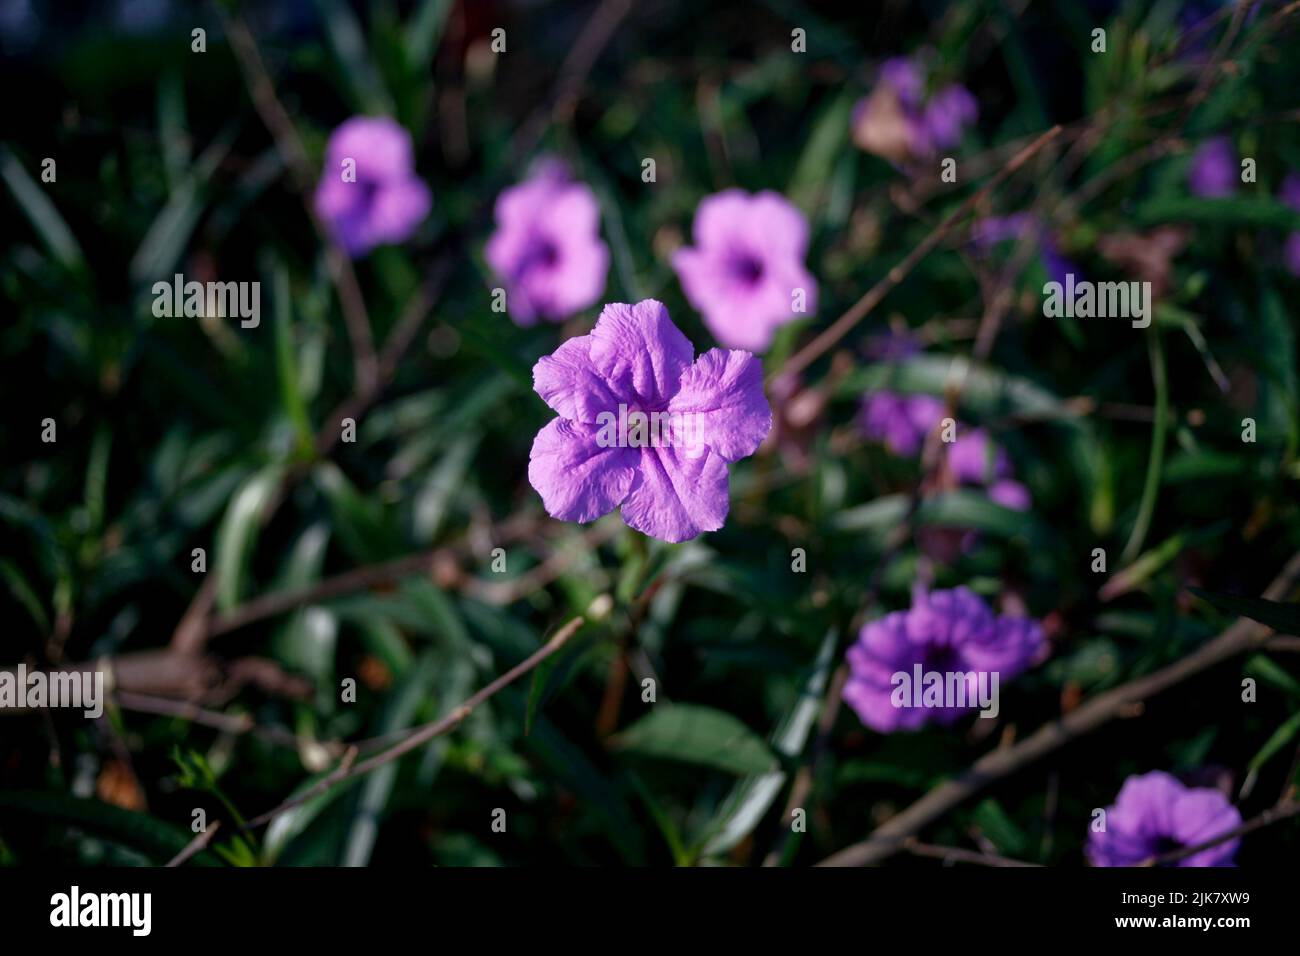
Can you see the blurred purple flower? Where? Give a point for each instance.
(547, 248)
(1010, 494)
(974, 459)
(945, 632)
(1213, 171)
(637, 358)
(894, 345)
(900, 422)
(368, 194)
(745, 273)
(947, 115)
(896, 120)
(1290, 194)
(987, 233)
(1155, 814)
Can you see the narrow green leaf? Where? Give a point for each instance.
(238, 533)
(1282, 617)
(40, 211)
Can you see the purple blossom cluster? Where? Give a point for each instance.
(993, 230)
(1214, 173)
(902, 422)
(1155, 814)
(902, 119)
(945, 632)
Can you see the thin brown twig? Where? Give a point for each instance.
(1274, 814)
(217, 720)
(196, 845)
(420, 736)
(952, 854)
(876, 294)
(261, 89)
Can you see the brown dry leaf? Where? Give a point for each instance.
(117, 784)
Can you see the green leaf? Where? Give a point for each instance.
(1280, 738)
(1283, 618)
(348, 43)
(1255, 212)
(286, 363)
(158, 840)
(424, 32)
(700, 735)
(40, 211)
(399, 714)
(988, 391)
(238, 533)
(828, 137)
(749, 800)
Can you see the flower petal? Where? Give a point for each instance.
(726, 390)
(640, 352)
(676, 497)
(569, 383)
(577, 479)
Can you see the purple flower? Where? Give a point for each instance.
(897, 121)
(987, 233)
(974, 459)
(1010, 494)
(1213, 171)
(547, 248)
(745, 272)
(900, 422)
(1290, 191)
(904, 76)
(893, 346)
(1290, 194)
(1291, 253)
(1155, 814)
(368, 194)
(636, 366)
(947, 115)
(945, 632)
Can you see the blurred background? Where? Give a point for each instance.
(373, 560)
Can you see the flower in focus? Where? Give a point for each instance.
(547, 248)
(368, 194)
(1155, 814)
(1213, 171)
(636, 361)
(945, 632)
(745, 273)
(896, 121)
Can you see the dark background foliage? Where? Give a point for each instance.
(173, 433)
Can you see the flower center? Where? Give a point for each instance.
(939, 659)
(542, 253)
(747, 268)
